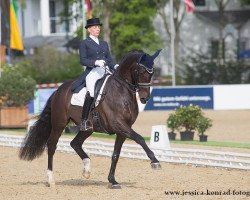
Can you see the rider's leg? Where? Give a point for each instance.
(86, 124)
(91, 79)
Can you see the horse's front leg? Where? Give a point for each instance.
(76, 144)
(155, 164)
(117, 149)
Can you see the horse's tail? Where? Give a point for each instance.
(35, 141)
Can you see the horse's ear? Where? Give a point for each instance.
(156, 54)
(147, 60)
(143, 58)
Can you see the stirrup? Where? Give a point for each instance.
(86, 125)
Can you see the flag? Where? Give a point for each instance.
(88, 4)
(15, 36)
(189, 5)
(5, 22)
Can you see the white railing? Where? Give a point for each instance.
(195, 157)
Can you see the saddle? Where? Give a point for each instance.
(78, 98)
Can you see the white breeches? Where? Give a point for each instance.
(92, 77)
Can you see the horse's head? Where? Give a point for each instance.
(142, 75)
(137, 70)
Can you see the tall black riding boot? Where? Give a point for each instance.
(86, 124)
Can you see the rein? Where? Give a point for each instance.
(121, 80)
(136, 85)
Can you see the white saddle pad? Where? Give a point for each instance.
(78, 98)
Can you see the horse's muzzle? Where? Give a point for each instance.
(144, 100)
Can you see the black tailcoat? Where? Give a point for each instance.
(90, 51)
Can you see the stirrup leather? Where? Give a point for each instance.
(86, 125)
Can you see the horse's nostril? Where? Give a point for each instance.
(144, 100)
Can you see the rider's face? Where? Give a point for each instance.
(94, 30)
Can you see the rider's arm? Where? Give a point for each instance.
(108, 58)
(84, 60)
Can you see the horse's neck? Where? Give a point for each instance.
(125, 85)
(124, 70)
(123, 74)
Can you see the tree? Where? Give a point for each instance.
(131, 23)
(101, 9)
(221, 4)
(201, 69)
(15, 89)
(179, 14)
(198, 69)
(104, 7)
(127, 25)
(245, 2)
(49, 65)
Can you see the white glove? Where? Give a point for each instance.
(100, 63)
(116, 65)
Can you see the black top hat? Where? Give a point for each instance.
(93, 22)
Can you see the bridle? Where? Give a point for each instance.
(136, 85)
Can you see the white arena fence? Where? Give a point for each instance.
(195, 157)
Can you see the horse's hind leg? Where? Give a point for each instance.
(76, 144)
(51, 144)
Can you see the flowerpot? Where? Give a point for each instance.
(187, 135)
(14, 117)
(203, 138)
(171, 135)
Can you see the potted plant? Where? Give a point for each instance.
(173, 124)
(15, 93)
(203, 124)
(188, 116)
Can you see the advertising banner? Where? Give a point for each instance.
(41, 99)
(163, 98)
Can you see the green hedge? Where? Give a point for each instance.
(15, 89)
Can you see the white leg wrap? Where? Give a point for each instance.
(51, 180)
(86, 168)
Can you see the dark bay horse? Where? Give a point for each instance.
(117, 110)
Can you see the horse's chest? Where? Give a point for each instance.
(127, 106)
(130, 110)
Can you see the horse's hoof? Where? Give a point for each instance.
(86, 174)
(86, 168)
(156, 165)
(51, 180)
(114, 186)
(51, 184)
